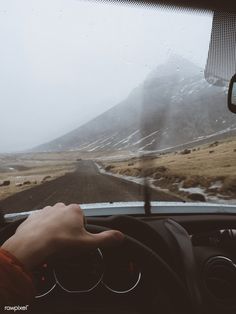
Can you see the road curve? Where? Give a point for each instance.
(85, 185)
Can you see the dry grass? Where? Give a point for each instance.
(203, 166)
(32, 168)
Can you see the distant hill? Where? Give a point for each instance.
(173, 106)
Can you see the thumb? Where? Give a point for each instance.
(104, 239)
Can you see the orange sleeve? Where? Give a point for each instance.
(16, 285)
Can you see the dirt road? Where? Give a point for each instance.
(85, 185)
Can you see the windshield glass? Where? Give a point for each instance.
(96, 97)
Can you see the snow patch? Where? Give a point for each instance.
(144, 138)
(126, 139)
(221, 199)
(216, 185)
(197, 190)
(91, 144)
(142, 148)
(94, 148)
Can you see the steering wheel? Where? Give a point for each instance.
(172, 288)
(177, 298)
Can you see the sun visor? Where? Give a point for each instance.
(221, 62)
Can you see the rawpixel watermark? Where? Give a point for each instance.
(16, 308)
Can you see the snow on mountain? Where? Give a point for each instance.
(173, 106)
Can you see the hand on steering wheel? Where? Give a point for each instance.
(53, 229)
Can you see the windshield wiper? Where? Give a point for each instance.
(147, 202)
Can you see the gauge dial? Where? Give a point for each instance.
(121, 273)
(81, 273)
(43, 279)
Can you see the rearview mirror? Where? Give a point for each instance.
(232, 95)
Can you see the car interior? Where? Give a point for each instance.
(170, 262)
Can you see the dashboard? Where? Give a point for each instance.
(115, 280)
(106, 269)
(215, 253)
(106, 280)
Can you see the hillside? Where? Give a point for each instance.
(173, 106)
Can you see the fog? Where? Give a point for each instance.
(63, 62)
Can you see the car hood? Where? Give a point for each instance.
(137, 208)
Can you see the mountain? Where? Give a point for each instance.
(173, 106)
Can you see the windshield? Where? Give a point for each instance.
(99, 100)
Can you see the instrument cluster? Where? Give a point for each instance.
(87, 271)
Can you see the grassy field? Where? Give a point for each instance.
(209, 170)
(24, 171)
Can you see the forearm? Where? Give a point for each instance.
(28, 249)
(16, 286)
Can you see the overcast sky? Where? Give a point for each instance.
(62, 62)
